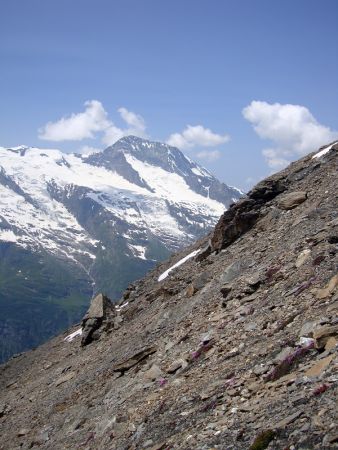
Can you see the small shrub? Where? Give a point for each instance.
(262, 440)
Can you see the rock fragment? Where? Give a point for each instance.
(322, 335)
(303, 257)
(317, 368)
(329, 288)
(100, 311)
(292, 200)
(133, 360)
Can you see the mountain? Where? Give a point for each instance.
(231, 344)
(71, 225)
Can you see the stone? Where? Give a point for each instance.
(191, 290)
(283, 354)
(232, 272)
(260, 369)
(201, 280)
(292, 200)
(99, 311)
(289, 419)
(322, 335)
(153, 373)
(23, 432)
(255, 280)
(303, 257)
(65, 378)
(128, 363)
(329, 288)
(307, 329)
(331, 343)
(226, 289)
(98, 308)
(3, 409)
(176, 365)
(132, 427)
(319, 367)
(89, 327)
(331, 438)
(250, 326)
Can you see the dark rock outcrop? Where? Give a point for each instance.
(241, 216)
(99, 318)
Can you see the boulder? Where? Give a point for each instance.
(329, 288)
(292, 200)
(232, 271)
(98, 308)
(322, 335)
(303, 257)
(100, 311)
(198, 284)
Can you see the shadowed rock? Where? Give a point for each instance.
(98, 314)
(243, 215)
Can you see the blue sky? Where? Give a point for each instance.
(156, 67)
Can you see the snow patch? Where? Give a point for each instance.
(8, 236)
(138, 250)
(324, 151)
(71, 336)
(179, 263)
(119, 307)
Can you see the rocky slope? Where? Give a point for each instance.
(229, 345)
(71, 225)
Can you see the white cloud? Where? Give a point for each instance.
(88, 124)
(292, 129)
(134, 120)
(209, 155)
(197, 135)
(77, 126)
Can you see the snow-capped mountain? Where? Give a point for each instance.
(102, 220)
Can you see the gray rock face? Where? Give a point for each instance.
(99, 308)
(100, 314)
(183, 372)
(292, 200)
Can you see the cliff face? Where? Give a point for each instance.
(234, 348)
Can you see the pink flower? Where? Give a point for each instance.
(162, 381)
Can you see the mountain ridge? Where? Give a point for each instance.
(107, 218)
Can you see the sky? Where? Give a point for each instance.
(241, 86)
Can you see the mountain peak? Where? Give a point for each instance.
(137, 140)
(132, 156)
(100, 221)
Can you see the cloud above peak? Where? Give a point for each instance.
(292, 129)
(197, 135)
(133, 120)
(92, 121)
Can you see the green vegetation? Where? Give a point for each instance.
(263, 440)
(40, 296)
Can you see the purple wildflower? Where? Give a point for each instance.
(162, 381)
